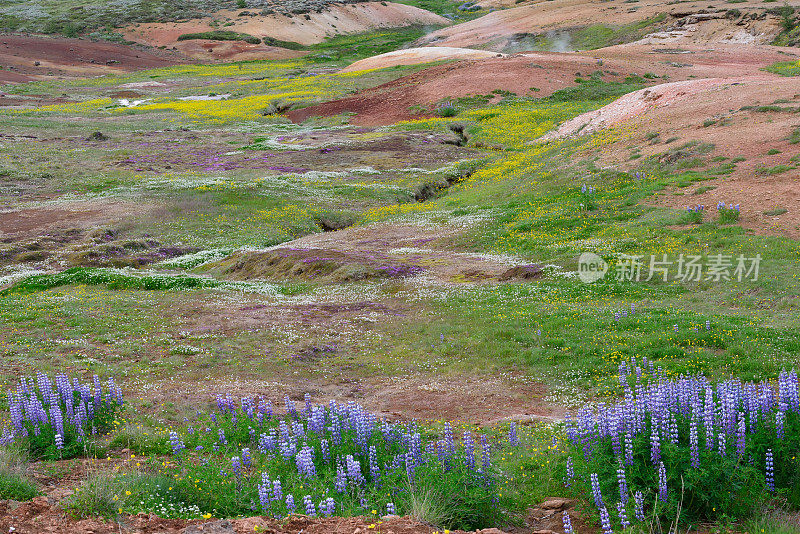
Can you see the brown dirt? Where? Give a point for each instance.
(335, 19)
(40, 517)
(61, 57)
(33, 222)
(546, 71)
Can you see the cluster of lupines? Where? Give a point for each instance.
(57, 418)
(588, 189)
(721, 206)
(668, 440)
(326, 459)
(696, 209)
(624, 313)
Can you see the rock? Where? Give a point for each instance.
(544, 532)
(554, 504)
(491, 531)
(222, 526)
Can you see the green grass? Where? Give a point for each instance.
(785, 68)
(349, 48)
(14, 482)
(71, 18)
(602, 35)
(220, 35)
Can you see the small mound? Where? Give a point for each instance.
(233, 50)
(632, 105)
(310, 264)
(414, 56)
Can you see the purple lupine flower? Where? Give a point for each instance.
(567, 523)
(448, 437)
(512, 435)
(740, 435)
(354, 471)
(290, 506)
(390, 509)
(236, 465)
(309, 505)
(305, 462)
(623, 516)
(605, 521)
(222, 439)
(341, 479)
(780, 417)
(770, 472)
(570, 472)
(327, 507)
(638, 507)
(655, 443)
(374, 469)
(59, 439)
(485, 454)
(263, 496)
(469, 450)
(722, 444)
(693, 443)
(277, 490)
(411, 466)
(623, 484)
(175, 442)
(662, 482)
(628, 448)
(708, 324)
(247, 460)
(596, 493)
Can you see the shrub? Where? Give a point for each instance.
(690, 449)
(95, 497)
(220, 35)
(447, 110)
(291, 45)
(59, 420)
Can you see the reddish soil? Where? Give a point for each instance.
(62, 57)
(40, 517)
(546, 71)
(36, 221)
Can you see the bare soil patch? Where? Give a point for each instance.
(29, 57)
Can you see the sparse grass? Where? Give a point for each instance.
(14, 483)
